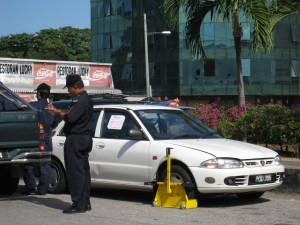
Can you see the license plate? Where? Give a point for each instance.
(263, 178)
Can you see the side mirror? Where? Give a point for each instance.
(136, 134)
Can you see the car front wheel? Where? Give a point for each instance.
(179, 174)
(58, 182)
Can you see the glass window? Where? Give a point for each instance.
(107, 41)
(221, 30)
(209, 68)
(246, 67)
(294, 69)
(208, 31)
(124, 8)
(282, 66)
(116, 125)
(127, 72)
(106, 8)
(246, 31)
(295, 33)
(126, 38)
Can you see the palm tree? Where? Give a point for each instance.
(264, 14)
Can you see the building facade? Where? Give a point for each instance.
(118, 37)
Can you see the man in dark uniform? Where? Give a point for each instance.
(49, 122)
(78, 144)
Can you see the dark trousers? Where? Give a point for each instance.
(44, 179)
(76, 154)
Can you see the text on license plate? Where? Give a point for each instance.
(263, 178)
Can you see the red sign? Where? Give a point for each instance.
(44, 73)
(100, 76)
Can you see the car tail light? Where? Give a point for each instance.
(41, 137)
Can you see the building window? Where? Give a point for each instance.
(107, 41)
(246, 32)
(295, 33)
(106, 9)
(209, 68)
(294, 69)
(246, 67)
(208, 34)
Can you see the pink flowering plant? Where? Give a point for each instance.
(263, 124)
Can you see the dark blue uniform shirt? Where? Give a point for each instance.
(79, 118)
(48, 120)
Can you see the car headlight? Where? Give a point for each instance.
(277, 160)
(222, 163)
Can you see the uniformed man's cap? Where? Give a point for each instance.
(43, 88)
(72, 80)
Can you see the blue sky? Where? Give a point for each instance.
(31, 16)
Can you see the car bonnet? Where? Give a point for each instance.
(225, 148)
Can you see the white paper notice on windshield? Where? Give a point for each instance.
(116, 122)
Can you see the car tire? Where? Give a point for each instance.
(179, 174)
(252, 195)
(8, 184)
(58, 182)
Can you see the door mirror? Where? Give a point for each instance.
(136, 134)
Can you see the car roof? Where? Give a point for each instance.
(136, 107)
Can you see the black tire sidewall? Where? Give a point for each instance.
(190, 187)
(60, 186)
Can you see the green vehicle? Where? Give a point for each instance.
(21, 139)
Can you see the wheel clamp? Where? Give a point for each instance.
(172, 194)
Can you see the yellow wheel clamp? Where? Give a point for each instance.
(172, 194)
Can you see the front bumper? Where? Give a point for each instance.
(214, 180)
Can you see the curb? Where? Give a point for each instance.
(291, 182)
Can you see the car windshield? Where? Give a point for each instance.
(174, 124)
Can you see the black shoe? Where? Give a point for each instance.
(29, 192)
(39, 193)
(73, 209)
(88, 207)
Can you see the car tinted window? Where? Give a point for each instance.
(8, 102)
(173, 124)
(116, 125)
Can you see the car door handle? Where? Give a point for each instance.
(100, 146)
(60, 143)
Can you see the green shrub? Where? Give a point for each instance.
(263, 124)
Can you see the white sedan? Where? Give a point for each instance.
(129, 152)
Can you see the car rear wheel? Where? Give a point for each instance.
(252, 195)
(58, 182)
(180, 174)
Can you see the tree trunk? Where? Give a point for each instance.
(238, 55)
(237, 31)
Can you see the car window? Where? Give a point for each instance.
(116, 125)
(8, 102)
(173, 124)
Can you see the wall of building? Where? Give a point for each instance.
(117, 37)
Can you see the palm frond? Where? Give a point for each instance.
(196, 13)
(258, 11)
(281, 9)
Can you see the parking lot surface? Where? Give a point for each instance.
(113, 207)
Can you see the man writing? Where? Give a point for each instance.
(78, 144)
